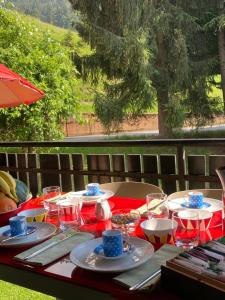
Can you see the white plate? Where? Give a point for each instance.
(176, 204)
(83, 256)
(91, 199)
(42, 232)
(7, 233)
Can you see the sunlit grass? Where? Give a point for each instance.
(10, 291)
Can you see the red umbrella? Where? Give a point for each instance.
(15, 90)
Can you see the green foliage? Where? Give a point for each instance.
(57, 12)
(200, 111)
(176, 113)
(120, 60)
(35, 55)
(144, 49)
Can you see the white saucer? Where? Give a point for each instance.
(124, 254)
(42, 232)
(82, 256)
(88, 200)
(102, 256)
(176, 204)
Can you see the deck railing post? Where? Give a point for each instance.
(180, 161)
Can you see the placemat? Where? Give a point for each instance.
(53, 248)
(137, 275)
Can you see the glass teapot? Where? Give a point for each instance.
(221, 173)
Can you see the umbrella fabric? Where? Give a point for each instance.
(16, 90)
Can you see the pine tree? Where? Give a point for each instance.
(216, 25)
(147, 49)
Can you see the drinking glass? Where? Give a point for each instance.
(156, 204)
(50, 198)
(188, 229)
(69, 213)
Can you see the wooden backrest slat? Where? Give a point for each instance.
(49, 161)
(168, 166)
(196, 166)
(21, 161)
(33, 176)
(92, 165)
(118, 165)
(3, 160)
(12, 162)
(104, 165)
(99, 162)
(78, 165)
(66, 179)
(150, 165)
(134, 165)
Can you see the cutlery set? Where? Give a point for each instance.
(55, 240)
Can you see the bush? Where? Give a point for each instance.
(37, 56)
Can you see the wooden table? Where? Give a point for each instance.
(64, 280)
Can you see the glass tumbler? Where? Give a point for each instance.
(50, 198)
(156, 204)
(188, 229)
(69, 214)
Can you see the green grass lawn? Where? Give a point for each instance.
(10, 291)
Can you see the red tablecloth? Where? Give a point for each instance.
(65, 270)
(88, 212)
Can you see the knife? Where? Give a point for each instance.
(146, 280)
(17, 236)
(56, 241)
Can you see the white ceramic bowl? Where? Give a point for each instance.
(159, 231)
(188, 221)
(34, 215)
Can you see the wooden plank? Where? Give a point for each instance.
(12, 162)
(196, 165)
(215, 161)
(66, 178)
(3, 160)
(168, 166)
(134, 165)
(33, 177)
(118, 165)
(21, 159)
(150, 165)
(104, 165)
(181, 167)
(49, 161)
(92, 165)
(100, 162)
(78, 164)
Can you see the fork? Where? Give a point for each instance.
(91, 259)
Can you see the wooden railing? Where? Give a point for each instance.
(185, 166)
